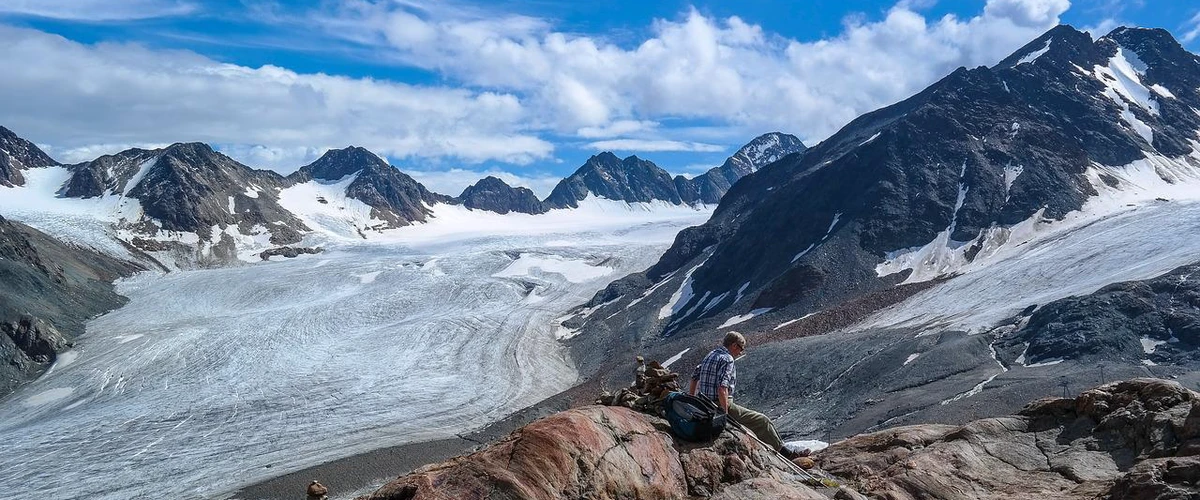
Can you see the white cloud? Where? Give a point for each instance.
(453, 181)
(282, 160)
(78, 96)
(98, 10)
(1101, 28)
(697, 83)
(696, 67)
(616, 128)
(654, 145)
(92, 151)
(1193, 29)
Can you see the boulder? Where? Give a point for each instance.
(1129, 439)
(604, 452)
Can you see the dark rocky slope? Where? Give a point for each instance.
(17, 154)
(108, 174)
(970, 156)
(393, 196)
(50, 290)
(494, 195)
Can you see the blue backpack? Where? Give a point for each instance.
(693, 418)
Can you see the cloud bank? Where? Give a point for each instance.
(510, 88)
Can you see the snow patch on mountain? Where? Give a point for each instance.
(742, 318)
(141, 173)
(681, 296)
(764, 151)
(1122, 76)
(324, 207)
(85, 222)
(1154, 210)
(1032, 56)
(940, 256)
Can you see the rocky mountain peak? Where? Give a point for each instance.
(1062, 44)
(767, 148)
(338, 163)
(18, 154)
(495, 195)
(607, 176)
(709, 187)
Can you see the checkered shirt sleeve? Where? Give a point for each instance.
(717, 370)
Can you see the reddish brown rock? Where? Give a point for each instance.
(603, 452)
(1106, 443)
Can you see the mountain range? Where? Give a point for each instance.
(187, 205)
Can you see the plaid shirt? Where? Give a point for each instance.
(715, 371)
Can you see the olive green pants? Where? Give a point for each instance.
(758, 423)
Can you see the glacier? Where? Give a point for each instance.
(210, 380)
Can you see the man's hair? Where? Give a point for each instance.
(732, 338)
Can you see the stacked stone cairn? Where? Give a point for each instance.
(652, 382)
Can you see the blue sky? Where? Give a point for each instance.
(523, 89)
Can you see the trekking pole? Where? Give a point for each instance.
(790, 463)
(799, 470)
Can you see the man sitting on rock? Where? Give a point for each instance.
(715, 377)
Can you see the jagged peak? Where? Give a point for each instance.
(604, 156)
(490, 182)
(1060, 42)
(338, 163)
(26, 152)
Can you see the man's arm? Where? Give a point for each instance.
(692, 389)
(723, 398)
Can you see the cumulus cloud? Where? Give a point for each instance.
(698, 67)
(77, 96)
(1193, 29)
(642, 145)
(98, 10)
(616, 128)
(509, 82)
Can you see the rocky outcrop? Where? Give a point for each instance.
(17, 154)
(393, 196)
(1155, 320)
(50, 290)
(494, 195)
(289, 252)
(1132, 439)
(602, 452)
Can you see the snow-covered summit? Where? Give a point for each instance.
(766, 149)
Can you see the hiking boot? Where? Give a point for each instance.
(790, 454)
